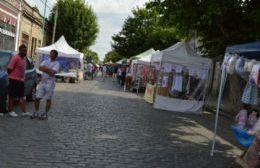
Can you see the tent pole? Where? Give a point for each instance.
(221, 89)
(158, 78)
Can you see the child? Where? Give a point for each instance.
(241, 118)
(252, 120)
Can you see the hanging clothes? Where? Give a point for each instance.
(231, 64)
(185, 82)
(165, 81)
(254, 75)
(177, 83)
(250, 94)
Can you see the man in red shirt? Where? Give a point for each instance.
(16, 75)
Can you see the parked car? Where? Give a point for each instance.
(30, 79)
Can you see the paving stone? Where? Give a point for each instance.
(96, 124)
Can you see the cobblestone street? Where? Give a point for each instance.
(95, 124)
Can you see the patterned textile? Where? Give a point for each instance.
(250, 94)
(231, 64)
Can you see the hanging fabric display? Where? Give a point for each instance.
(165, 81)
(254, 75)
(249, 65)
(250, 94)
(178, 83)
(167, 67)
(231, 64)
(240, 66)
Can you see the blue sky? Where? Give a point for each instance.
(111, 15)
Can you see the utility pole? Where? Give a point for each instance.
(55, 24)
(43, 24)
(18, 26)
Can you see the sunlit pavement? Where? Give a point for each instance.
(96, 124)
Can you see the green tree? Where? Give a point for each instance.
(143, 31)
(216, 24)
(112, 56)
(90, 56)
(76, 21)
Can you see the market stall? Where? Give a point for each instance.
(70, 60)
(243, 60)
(142, 71)
(182, 79)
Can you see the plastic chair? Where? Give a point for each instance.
(242, 136)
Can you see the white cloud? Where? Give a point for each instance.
(115, 6)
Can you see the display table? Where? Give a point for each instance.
(65, 76)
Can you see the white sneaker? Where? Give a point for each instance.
(12, 114)
(1, 114)
(26, 114)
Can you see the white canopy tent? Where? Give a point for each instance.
(63, 48)
(141, 69)
(180, 54)
(145, 57)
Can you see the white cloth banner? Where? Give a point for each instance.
(178, 105)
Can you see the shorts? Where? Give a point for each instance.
(45, 91)
(16, 88)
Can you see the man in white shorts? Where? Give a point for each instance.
(46, 87)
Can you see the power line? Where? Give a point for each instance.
(46, 4)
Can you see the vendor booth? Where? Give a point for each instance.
(243, 60)
(142, 71)
(70, 60)
(182, 79)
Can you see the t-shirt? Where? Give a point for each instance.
(104, 70)
(89, 67)
(46, 78)
(18, 66)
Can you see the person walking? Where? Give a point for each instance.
(123, 76)
(115, 72)
(46, 87)
(104, 72)
(16, 74)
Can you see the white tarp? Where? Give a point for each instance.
(63, 48)
(178, 105)
(181, 54)
(144, 54)
(145, 57)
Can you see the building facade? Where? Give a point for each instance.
(31, 28)
(9, 19)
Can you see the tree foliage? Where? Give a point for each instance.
(76, 21)
(141, 32)
(112, 56)
(216, 24)
(90, 56)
